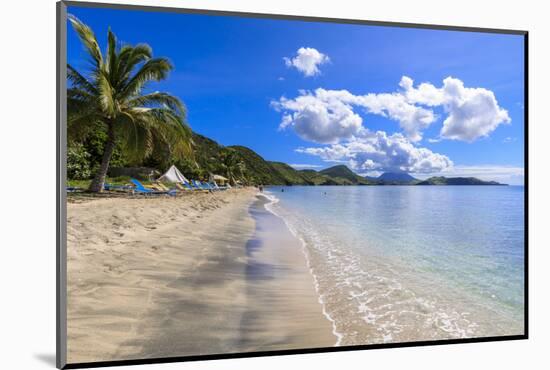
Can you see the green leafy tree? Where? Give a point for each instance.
(111, 97)
(78, 162)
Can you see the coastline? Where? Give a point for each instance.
(269, 206)
(285, 307)
(199, 274)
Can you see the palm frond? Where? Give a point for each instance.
(79, 126)
(106, 95)
(79, 81)
(136, 137)
(88, 38)
(155, 69)
(80, 95)
(111, 63)
(166, 126)
(130, 57)
(159, 99)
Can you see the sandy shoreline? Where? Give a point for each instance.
(199, 274)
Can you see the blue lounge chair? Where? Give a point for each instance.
(111, 187)
(207, 186)
(188, 185)
(181, 187)
(139, 188)
(197, 185)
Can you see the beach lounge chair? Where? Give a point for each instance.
(181, 187)
(207, 186)
(188, 186)
(141, 189)
(197, 185)
(111, 187)
(157, 185)
(200, 186)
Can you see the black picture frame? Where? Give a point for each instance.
(61, 219)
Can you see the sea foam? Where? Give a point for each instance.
(270, 207)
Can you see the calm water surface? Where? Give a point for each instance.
(405, 263)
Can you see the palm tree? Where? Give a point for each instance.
(111, 98)
(241, 166)
(231, 163)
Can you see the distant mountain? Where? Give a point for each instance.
(456, 181)
(345, 176)
(208, 156)
(372, 178)
(399, 178)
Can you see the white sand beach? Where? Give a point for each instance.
(189, 275)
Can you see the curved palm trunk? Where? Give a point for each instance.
(99, 180)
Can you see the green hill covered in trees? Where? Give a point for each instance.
(456, 181)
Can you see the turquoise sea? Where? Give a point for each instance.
(406, 263)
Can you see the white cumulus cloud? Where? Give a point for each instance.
(307, 61)
(472, 113)
(372, 151)
(328, 116)
(319, 118)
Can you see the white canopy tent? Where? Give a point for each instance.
(173, 175)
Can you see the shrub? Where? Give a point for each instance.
(78, 162)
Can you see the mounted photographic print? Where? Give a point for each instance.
(234, 184)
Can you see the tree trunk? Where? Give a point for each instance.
(99, 180)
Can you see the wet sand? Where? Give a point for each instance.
(283, 305)
(199, 274)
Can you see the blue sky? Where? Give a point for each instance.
(231, 74)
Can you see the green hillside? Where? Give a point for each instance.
(210, 158)
(440, 180)
(317, 178)
(289, 174)
(344, 176)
